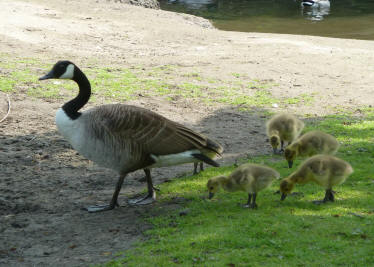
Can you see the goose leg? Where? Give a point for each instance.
(329, 196)
(248, 202)
(195, 167)
(282, 144)
(254, 205)
(150, 197)
(113, 203)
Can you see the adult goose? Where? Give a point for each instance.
(126, 138)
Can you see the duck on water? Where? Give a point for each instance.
(126, 138)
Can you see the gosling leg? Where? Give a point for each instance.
(250, 205)
(248, 202)
(282, 144)
(150, 197)
(113, 203)
(329, 196)
(254, 205)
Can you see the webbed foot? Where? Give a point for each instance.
(148, 199)
(250, 206)
(99, 208)
(318, 202)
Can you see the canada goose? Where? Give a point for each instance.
(309, 144)
(250, 178)
(324, 170)
(125, 138)
(283, 127)
(316, 3)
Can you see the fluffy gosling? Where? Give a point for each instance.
(309, 144)
(250, 178)
(283, 127)
(325, 170)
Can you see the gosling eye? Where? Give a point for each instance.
(211, 188)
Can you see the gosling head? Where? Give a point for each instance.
(61, 70)
(213, 185)
(274, 141)
(286, 186)
(290, 155)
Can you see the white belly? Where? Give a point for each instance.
(75, 132)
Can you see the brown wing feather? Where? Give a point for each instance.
(146, 130)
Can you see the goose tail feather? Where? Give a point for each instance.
(206, 159)
(214, 146)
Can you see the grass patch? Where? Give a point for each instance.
(296, 232)
(20, 75)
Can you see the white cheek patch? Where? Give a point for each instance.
(69, 73)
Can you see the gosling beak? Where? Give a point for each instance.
(49, 75)
(283, 197)
(275, 150)
(211, 195)
(290, 163)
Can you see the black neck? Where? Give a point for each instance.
(71, 108)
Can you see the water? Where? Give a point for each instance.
(343, 19)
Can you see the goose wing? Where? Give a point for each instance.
(139, 128)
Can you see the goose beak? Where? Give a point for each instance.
(283, 197)
(49, 75)
(211, 195)
(290, 163)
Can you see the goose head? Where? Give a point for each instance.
(214, 184)
(61, 70)
(274, 141)
(286, 186)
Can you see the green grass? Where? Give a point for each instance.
(295, 232)
(20, 75)
(219, 232)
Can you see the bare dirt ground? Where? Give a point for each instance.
(44, 183)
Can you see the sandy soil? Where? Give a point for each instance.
(44, 183)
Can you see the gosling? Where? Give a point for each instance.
(250, 178)
(283, 127)
(324, 170)
(309, 144)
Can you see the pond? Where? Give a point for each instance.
(343, 19)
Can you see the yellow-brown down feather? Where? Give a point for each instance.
(324, 170)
